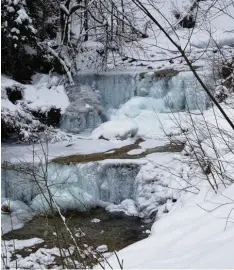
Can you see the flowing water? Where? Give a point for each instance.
(115, 230)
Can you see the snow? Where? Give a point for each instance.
(41, 96)
(79, 234)
(136, 151)
(150, 143)
(22, 16)
(193, 225)
(102, 248)
(116, 130)
(188, 237)
(21, 244)
(128, 207)
(95, 220)
(19, 214)
(151, 124)
(41, 258)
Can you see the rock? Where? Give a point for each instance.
(5, 209)
(14, 93)
(49, 118)
(188, 21)
(168, 73)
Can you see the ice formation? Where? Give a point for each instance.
(85, 110)
(82, 186)
(135, 187)
(16, 215)
(96, 97)
(172, 92)
(115, 88)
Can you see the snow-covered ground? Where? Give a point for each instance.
(42, 258)
(196, 233)
(213, 28)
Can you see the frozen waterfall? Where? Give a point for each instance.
(178, 90)
(75, 186)
(96, 97)
(134, 186)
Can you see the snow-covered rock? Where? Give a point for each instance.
(28, 109)
(116, 129)
(95, 220)
(127, 206)
(102, 248)
(18, 215)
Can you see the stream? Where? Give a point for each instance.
(98, 227)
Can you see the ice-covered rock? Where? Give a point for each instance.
(14, 206)
(127, 206)
(18, 214)
(85, 111)
(65, 198)
(136, 151)
(136, 105)
(117, 129)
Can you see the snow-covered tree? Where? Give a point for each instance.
(17, 25)
(18, 38)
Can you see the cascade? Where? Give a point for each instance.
(176, 90)
(95, 97)
(115, 88)
(74, 186)
(137, 187)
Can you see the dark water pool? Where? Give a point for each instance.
(115, 230)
